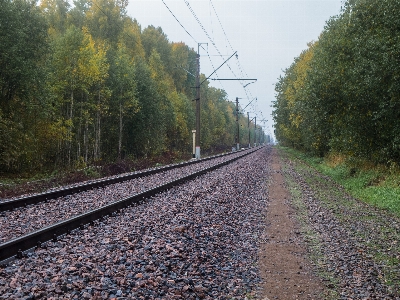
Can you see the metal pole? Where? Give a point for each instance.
(248, 126)
(237, 124)
(197, 152)
(255, 131)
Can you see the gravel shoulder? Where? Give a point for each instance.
(354, 246)
(284, 265)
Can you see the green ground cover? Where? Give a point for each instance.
(375, 185)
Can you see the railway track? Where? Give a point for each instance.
(17, 247)
(24, 201)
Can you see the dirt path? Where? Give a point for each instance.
(284, 267)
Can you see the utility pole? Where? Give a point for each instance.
(237, 124)
(248, 126)
(197, 151)
(198, 84)
(255, 131)
(248, 117)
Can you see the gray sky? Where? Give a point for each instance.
(267, 35)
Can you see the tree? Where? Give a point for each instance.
(56, 14)
(155, 39)
(104, 20)
(350, 100)
(123, 101)
(23, 34)
(23, 48)
(79, 72)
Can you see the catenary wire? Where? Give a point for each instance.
(230, 45)
(206, 33)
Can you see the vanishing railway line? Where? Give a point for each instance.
(206, 238)
(29, 221)
(10, 204)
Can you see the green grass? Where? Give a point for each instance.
(375, 186)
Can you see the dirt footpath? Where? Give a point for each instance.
(284, 267)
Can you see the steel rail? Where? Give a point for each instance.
(37, 198)
(16, 247)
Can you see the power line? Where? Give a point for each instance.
(188, 33)
(206, 33)
(212, 65)
(237, 59)
(221, 25)
(180, 22)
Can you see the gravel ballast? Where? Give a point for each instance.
(195, 241)
(23, 220)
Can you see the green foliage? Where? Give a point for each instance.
(377, 186)
(81, 83)
(348, 101)
(23, 47)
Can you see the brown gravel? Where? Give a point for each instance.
(284, 266)
(225, 235)
(195, 241)
(33, 217)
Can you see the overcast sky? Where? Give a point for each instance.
(267, 35)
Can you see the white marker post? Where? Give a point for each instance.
(194, 143)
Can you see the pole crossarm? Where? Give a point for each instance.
(218, 67)
(231, 79)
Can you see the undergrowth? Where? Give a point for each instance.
(375, 185)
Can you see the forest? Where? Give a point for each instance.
(342, 94)
(84, 84)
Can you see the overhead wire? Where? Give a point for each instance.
(241, 69)
(209, 56)
(212, 65)
(237, 58)
(179, 22)
(189, 34)
(206, 33)
(227, 39)
(219, 21)
(212, 42)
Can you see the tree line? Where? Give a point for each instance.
(84, 83)
(342, 94)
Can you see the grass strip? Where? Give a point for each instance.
(375, 185)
